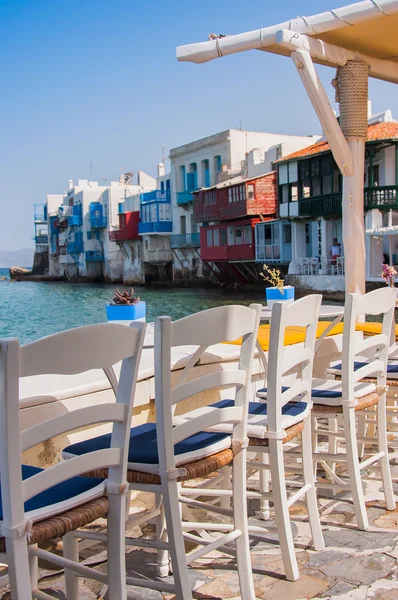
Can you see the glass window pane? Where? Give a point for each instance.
(216, 237)
(231, 236)
(239, 235)
(287, 234)
(248, 234)
(209, 237)
(285, 194)
(294, 193)
(222, 237)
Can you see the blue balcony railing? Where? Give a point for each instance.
(41, 239)
(155, 227)
(76, 218)
(98, 222)
(94, 256)
(185, 240)
(74, 247)
(155, 195)
(184, 197)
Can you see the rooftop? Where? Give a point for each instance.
(378, 132)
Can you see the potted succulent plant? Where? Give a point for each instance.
(125, 307)
(277, 292)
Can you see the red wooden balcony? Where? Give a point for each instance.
(237, 198)
(228, 241)
(128, 227)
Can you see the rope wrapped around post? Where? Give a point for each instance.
(351, 84)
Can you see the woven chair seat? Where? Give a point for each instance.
(197, 468)
(363, 403)
(291, 433)
(59, 525)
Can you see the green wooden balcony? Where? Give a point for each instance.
(382, 196)
(328, 205)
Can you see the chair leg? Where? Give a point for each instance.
(362, 428)
(354, 473)
(264, 486)
(34, 570)
(163, 566)
(383, 447)
(176, 540)
(241, 522)
(282, 516)
(116, 546)
(18, 568)
(308, 475)
(225, 484)
(71, 551)
(314, 440)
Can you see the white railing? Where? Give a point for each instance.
(319, 266)
(63, 238)
(160, 255)
(66, 211)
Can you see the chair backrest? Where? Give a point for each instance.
(379, 302)
(70, 352)
(302, 313)
(203, 329)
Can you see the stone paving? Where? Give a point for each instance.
(355, 564)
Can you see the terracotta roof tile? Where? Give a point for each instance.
(379, 131)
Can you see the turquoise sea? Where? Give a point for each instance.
(30, 310)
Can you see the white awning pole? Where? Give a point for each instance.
(319, 100)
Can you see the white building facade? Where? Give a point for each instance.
(206, 162)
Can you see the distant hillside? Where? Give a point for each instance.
(17, 258)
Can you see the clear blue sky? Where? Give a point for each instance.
(97, 81)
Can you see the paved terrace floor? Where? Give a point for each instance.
(355, 564)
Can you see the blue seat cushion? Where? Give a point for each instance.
(326, 394)
(62, 492)
(143, 447)
(291, 409)
(314, 393)
(391, 367)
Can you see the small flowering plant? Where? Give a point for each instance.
(274, 277)
(388, 273)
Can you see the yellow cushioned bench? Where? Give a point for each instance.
(373, 328)
(293, 335)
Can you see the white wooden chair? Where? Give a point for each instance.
(42, 504)
(284, 415)
(162, 455)
(362, 386)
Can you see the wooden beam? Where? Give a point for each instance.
(319, 100)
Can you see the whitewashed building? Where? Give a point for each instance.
(143, 235)
(80, 246)
(310, 208)
(206, 162)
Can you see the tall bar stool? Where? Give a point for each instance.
(354, 395)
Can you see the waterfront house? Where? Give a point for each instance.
(228, 213)
(207, 162)
(80, 245)
(144, 231)
(310, 208)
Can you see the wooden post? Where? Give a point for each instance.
(351, 85)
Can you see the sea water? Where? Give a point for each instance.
(30, 310)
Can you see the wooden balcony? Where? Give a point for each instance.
(328, 205)
(381, 197)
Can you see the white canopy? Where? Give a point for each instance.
(369, 28)
(360, 40)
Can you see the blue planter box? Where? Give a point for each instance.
(275, 295)
(124, 312)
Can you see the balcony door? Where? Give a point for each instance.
(308, 239)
